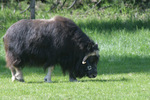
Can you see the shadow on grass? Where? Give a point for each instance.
(108, 26)
(107, 65)
(105, 80)
(38, 82)
(81, 81)
(118, 65)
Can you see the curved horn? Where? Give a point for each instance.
(96, 52)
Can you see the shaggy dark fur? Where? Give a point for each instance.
(50, 42)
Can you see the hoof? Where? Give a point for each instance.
(73, 80)
(46, 80)
(15, 79)
(20, 80)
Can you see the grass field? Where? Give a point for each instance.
(123, 69)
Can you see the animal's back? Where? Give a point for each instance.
(49, 42)
(38, 41)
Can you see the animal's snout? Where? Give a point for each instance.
(92, 75)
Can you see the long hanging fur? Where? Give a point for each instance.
(47, 43)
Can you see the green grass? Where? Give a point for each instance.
(123, 69)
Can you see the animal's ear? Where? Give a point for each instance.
(89, 46)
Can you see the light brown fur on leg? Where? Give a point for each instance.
(13, 72)
(48, 76)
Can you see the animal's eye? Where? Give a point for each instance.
(89, 67)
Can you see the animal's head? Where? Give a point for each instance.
(88, 66)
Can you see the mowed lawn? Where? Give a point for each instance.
(123, 69)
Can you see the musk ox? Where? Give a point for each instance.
(47, 43)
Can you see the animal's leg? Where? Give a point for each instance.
(72, 78)
(19, 75)
(48, 76)
(13, 72)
